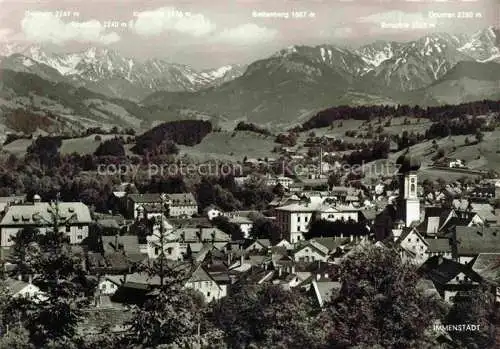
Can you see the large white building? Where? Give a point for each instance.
(182, 205)
(74, 219)
(293, 220)
(175, 205)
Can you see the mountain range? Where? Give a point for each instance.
(278, 90)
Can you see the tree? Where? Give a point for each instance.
(111, 147)
(268, 316)
(172, 315)
(264, 228)
(24, 246)
(479, 136)
(53, 318)
(232, 229)
(379, 302)
(475, 307)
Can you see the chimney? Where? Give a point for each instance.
(30, 278)
(229, 259)
(20, 277)
(318, 276)
(242, 259)
(116, 242)
(279, 271)
(293, 269)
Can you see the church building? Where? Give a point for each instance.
(409, 202)
(407, 207)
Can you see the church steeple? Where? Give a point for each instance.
(408, 190)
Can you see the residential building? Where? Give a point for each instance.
(260, 245)
(213, 212)
(293, 220)
(21, 289)
(149, 203)
(181, 205)
(450, 277)
(411, 240)
(311, 251)
(439, 247)
(177, 242)
(74, 220)
(201, 281)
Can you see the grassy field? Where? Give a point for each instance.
(18, 147)
(225, 146)
(84, 145)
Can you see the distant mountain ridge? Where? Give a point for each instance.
(284, 88)
(106, 71)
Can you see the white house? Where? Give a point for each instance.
(213, 212)
(293, 220)
(20, 288)
(202, 282)
(311, 252)
(457, 163)
(150, 203)
(412, 241)
(181, 205)
(109, 284)
(74, 220)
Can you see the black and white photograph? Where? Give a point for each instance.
(249, 174)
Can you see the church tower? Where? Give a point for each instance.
(409, 203)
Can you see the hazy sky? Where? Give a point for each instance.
(209, 33)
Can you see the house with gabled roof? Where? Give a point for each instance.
(284, 244)
(19, 288)
(311, 251)
(411, 240)
(450, 277)
(38, 215)
(435, 218)
(201, 281)
(149, 202)
(183, 204)
(439, 247)
(261, 245)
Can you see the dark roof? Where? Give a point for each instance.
(438, 245)
(331, 243)
(182, 199)
(200, 274)
(130, 243)
(476, 240)
(149, 198)
(441, 270)
(488, 266)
